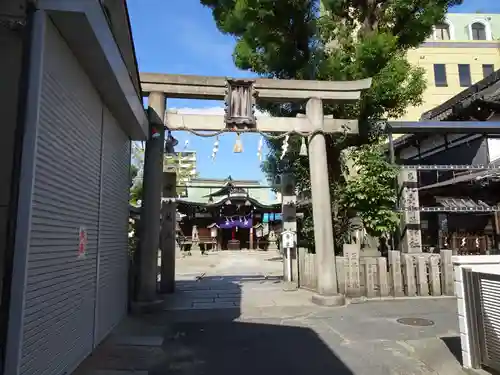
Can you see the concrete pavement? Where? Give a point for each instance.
(246, 324)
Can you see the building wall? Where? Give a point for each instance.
(185, 163)
(494, 145)
(477, 263)
(474, 55)
(460, 24)
(454, 149)
(11, 62)
(460, 49)
(69, 284)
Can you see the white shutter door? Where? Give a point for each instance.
(490, 309)
(60, 292)
(112, 288)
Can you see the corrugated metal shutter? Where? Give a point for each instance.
(113, 229)
(60, 294)
(490, 316)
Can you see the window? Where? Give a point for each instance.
(478, 31)
(464, 75)
(442, 32)
(440, 75)
(488, 69)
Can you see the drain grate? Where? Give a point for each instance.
(415, 322)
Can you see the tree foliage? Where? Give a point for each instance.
(369, 189)
(334, 40)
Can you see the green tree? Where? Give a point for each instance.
(369, 189)
(333, 40)
(136, 171)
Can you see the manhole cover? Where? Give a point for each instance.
(416, 322)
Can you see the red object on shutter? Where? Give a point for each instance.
(82, 243)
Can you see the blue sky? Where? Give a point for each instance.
(179, 36)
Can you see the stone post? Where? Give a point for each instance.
(151, 201)
(370, 278)
(409, 275)
(167, 237)
(352, 270)
(382, 276)
(411, 236)
(288, 215)
(322, 213)
(422, 283)
(395, 273)
(434, 275)
(447, 277)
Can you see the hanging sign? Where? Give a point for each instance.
(288, 239)
(82, 242)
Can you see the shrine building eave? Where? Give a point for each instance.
(224, 201)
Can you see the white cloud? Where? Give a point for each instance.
(207, 111)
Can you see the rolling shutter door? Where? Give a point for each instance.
(490, 311)
(113, 262)
(59, 310)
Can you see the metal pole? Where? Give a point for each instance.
(167, 243)
(289, 264)
(288, 216)
(151, 201)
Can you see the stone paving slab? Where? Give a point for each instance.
(350, 340)
(235, 321)
(225, 298)
(443, 356)
(117, 372)
(214, 305)
(138, 340)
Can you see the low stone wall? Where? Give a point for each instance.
(469, 306)
(397, 275)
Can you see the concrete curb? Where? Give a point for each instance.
(392, 299)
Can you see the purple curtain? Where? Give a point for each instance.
(235, 222)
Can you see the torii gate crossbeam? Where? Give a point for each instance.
(240, 96)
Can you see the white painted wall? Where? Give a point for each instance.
(494, 149)
(479, 263)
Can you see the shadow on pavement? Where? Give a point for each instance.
(211, 337)
(454, 346)
(211, 340)
(228, 348)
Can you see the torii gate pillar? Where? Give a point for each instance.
(328, 294)
(149, 235)
(240, 96)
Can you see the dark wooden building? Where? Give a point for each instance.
(459, 193)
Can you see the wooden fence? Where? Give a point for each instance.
(397, 275)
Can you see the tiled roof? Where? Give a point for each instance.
(487, 88)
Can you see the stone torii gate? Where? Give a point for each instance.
(240, 96)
